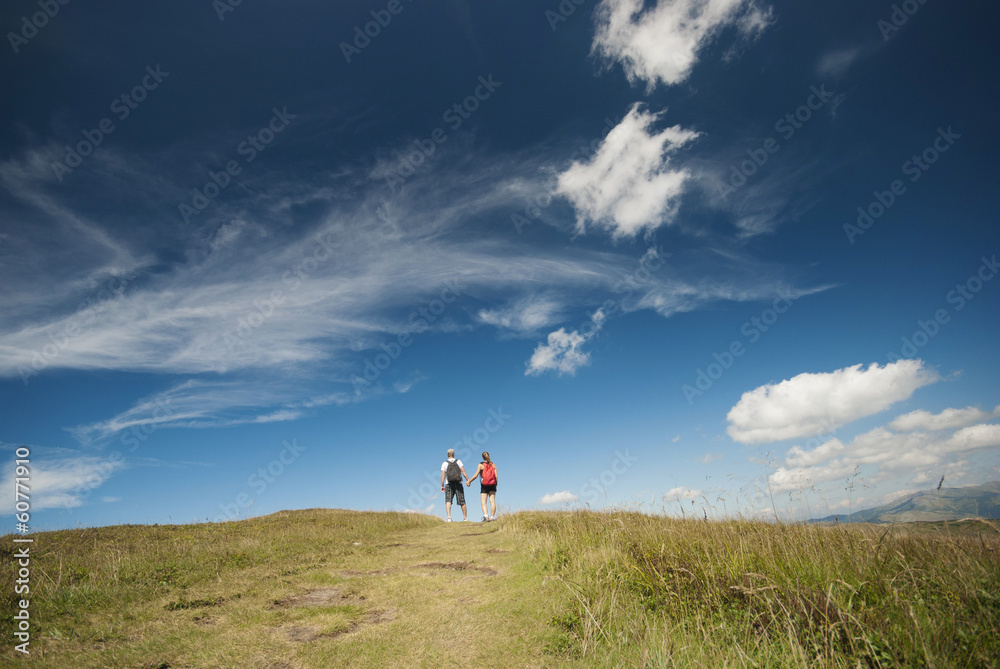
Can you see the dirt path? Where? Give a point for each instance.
(459, 592)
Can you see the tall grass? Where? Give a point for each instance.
(649, 591)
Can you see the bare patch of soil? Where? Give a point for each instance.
(457, 566)
(320, 597)
(302, 634)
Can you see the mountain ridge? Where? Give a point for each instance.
(979, 501)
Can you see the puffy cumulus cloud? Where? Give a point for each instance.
(661, 44)
(946, 420)
(811, 404)
(561, 352)
(628, 186)
(559, 497)
(64, 481)
(886, 452)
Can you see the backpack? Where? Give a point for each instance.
(489, 474)
(453, 473)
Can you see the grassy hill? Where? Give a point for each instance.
(982, 501)
(327, 588)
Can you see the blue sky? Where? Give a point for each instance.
(728, 256)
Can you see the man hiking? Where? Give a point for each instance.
(454, 472)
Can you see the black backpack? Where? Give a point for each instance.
(453, 473)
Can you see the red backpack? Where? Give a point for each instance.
(489, 474)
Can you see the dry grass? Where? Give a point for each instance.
(325, 588)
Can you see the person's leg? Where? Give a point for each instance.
(447, 509)
(447, 500)
(460, 493)
(482, 500)
(493, 503)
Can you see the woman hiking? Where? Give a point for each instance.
(487, 486)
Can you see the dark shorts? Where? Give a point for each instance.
(455, 488)
(488, 489)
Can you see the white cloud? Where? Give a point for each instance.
(815, 404)
(192, 404)
(662, 43)
(628, 186)
(887, 452)
(898, 495)
(279, 311)
(837, 62)
(60, 482)
(278, 416)
(946, 420)
(428, 510)
(559, 497)
(682, 493)
(562, 352)
(709, 458)
(527, 315)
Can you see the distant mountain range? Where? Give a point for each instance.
(980, 501)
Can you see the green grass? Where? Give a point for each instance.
(323, 588)
(660, 592)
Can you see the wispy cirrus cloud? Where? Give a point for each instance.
(61, 479)
(524, 316)
(255, 295)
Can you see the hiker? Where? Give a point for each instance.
(487, 485)
(454, 471)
